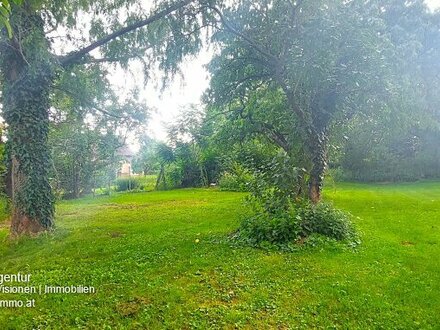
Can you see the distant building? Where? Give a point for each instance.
(126, 156)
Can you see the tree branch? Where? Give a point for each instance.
(267, 130)
(87, 104)
(93, 60)
(251, 42)
(77, 55)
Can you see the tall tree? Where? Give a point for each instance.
(328, 59)
(31, 61)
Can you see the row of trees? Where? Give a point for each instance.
(290, 78)
(354, 82)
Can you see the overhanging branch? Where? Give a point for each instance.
(90, 105)
(77, 55)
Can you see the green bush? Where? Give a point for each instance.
(127, 183)
(173, 177)
(263, 227)
(293, 222)
(238, 180)
(324, 219)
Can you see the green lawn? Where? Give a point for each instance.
(162, 260)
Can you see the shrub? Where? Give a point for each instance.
(290, 222)
(263, 227)
(238, 179)
(280, 216)
(127, 183)
(324, 219)
(173, 176)
(232, 182)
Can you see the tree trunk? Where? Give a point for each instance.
(27, 119)
(161, 177)
(76, 179)
(318, 150)
(28, 76)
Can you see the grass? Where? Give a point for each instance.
(162, 260)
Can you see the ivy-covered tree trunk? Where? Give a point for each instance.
(28, 77)
(27, 118)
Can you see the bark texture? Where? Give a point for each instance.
(318, 152)
(28, 75)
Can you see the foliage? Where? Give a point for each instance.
(173, 177)
(146, 161)
(299, 62)
(128, 183)
(191, 166)
(398, 144)
(37, 61)
(407, 155)
(280, 216)
(277, 227)
(4, 163)
(283, 223)
(33, 197)
(191, 159)
(324, 219)
(83, 158)
(239, 179)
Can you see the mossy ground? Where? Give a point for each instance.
(163, 260)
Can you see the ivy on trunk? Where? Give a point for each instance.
(26, 103)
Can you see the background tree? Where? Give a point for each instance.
(398, 144)
(195, 160)
(146, 160)
(166, 157)
(328, 59)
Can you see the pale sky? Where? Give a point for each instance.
(433, 4)
(168, 103)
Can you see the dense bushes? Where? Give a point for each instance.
(237, 179)
(295, 222)
(280, 214)
(324, 219)
(185, 166)
(135, 183)
(269, 227)
(372, 154)
(128, 183)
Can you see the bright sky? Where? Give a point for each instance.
(433, 4)
(167, 104)
(178, 94)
